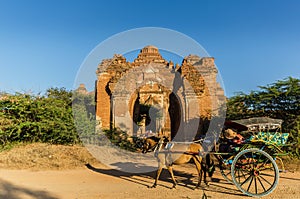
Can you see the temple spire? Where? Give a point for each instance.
(149, 54)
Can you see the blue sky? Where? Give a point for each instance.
(43, 43)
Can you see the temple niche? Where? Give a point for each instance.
(153, 94)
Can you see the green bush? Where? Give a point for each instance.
(120, 138)
(37, 118)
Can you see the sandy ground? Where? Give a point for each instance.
(93, 182)
(43, 171)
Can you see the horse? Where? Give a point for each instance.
(169, 153)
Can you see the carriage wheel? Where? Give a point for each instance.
(254, 172)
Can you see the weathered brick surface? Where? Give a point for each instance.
(126, 91)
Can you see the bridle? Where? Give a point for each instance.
(156, 147)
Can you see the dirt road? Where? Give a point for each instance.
(94, 182)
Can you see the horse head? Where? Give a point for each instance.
(150, 143)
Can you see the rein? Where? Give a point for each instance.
(153, 148)
(158, 147)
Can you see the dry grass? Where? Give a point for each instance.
(40, 156)
(291, 164)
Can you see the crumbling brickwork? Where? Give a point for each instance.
(151, 93)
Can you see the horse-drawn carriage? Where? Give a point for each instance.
(251, 164)
(248, 158)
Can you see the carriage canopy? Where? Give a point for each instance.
(257, 124)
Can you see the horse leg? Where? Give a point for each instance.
(157, 176)
(170, 169)
(209, 169)
(204, 171)
(197, 161)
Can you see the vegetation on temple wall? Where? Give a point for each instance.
(280, 100)
(121, 139)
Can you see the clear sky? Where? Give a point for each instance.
(43, 43)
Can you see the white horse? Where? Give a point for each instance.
(169, 153)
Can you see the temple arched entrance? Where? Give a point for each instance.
(149, 108)
(149, 118)
(156, 110)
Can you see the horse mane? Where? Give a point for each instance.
(157, 139)
(154, 138)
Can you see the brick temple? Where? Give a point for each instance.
(153, 94)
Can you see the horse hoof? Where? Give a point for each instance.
(174, 187)
(151, 187)
(196, 187)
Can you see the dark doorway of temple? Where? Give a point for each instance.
(147, 117)
(175, 114)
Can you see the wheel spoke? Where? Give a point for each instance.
(266, 168)
(269, 175)
(246, 180)
(250, 183)
(244, 174)
(240, 173)
(261, 183)
(266, 180)
(239, 163)
(263, 164)
(255, 184)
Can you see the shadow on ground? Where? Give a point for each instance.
(11, 191)
(184, 179)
